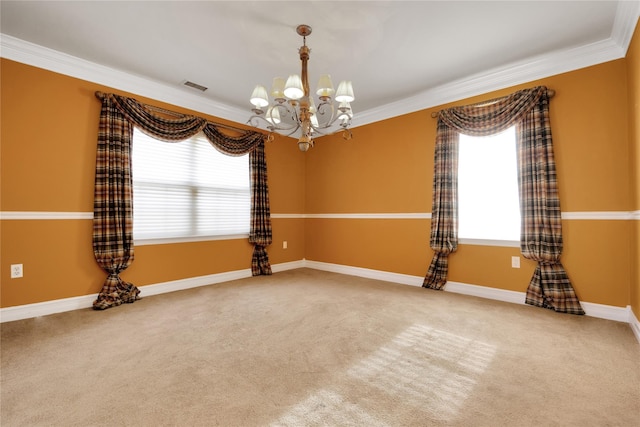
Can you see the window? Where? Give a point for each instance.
(188, 190)
(488, 201)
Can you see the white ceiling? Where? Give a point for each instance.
(400, 55)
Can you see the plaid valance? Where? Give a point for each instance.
(181, 126)
(233, 146)
(494, 116)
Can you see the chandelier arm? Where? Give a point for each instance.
(335, 119)
(286, 111)
(295, 129)
(321, 110)
(320, 132)
(274, 113)
(255, 121)
(331, 123)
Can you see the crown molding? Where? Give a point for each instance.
(627, 15)
(512, 74)
(553, 63)
(498, 78)
(41, 57)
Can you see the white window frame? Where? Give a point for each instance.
(140, 138)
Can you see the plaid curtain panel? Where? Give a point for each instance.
(541, 228)
(113, 206)
(113, 201)
(260, 233)
(444, 211)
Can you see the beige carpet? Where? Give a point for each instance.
(311, 348)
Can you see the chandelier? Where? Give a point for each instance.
(294, 109)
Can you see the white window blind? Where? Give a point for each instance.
(188, 189)
(488, 201)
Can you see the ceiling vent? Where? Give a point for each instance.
(195, 86)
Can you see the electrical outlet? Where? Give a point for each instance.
(284, 244)
(515, 262)
(16, 271)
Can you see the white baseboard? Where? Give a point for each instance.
(192, 282)
(284, 266)
(634, 323)
(619, 314)
(386, 276)
(27, 311)
(485, 292)
(8, 314)
(609, 312)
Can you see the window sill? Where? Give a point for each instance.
(168, 241)
(484, 242)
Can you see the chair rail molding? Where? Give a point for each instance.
(594, 216)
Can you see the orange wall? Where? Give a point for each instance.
(286, 166)
(387, 168)
(48, 136)
(633, 81)
(384, 168)
(49, 132)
